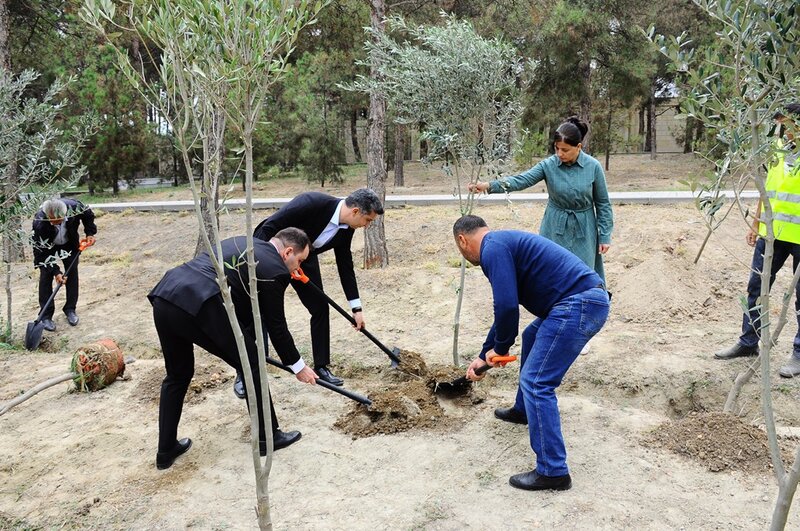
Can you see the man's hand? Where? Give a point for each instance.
(476, 364)
(61, 279)
(306, 375)
(478, 187)
(359, 318)
(90, 240)
(752, 236)
(603, 248)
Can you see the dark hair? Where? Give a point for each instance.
(571, 131)
(468, 224)
(366, 200)
(294, 238)
(793, 108)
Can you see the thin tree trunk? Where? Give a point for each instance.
(6, 258)
(586, 103)
(608, 133)
(376, 253)
(354, 134)
(643, 130)
(688, 135)
(5, 34)
(399, 154)
(212, 169)
(653, 131)
(786, 490)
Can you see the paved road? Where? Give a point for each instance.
(417, 200)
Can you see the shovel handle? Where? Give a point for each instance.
(499, 360)
(344, 392)
(302, 277)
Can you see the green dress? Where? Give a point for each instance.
(578, 215)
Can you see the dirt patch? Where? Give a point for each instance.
(407, 400)
(718, 441)
(206, 378)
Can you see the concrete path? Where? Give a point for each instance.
(654, 197)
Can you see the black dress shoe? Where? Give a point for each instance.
(72, 317)
(736, 351)
(509, 414)
(49, 325)
(164, 460)
(534, 481)
(280, 439)
(238, 386)
(325, 373)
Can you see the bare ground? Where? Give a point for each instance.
(86, 461)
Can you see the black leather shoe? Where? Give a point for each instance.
(238, 386)
(325, 373)
(534, 481)
(509, 414)
(72, 318)
(280, 439)
(736, 351)
(49, 325)
(164, 460)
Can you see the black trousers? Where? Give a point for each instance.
(317, 306)
(46, 283)
(178, 332)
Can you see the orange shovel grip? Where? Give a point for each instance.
(502, 360)
(299, 275)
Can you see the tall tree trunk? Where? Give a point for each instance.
(609, 118)
(5, 30)
(642, 129)
(652, 129)
(354, 134)
(399, 154)
(375, 252)
(585, 112)
(688, 135)
(212, 169)
(6, 334)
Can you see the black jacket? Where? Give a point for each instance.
(44, 233)
(190, 285)
(311, 212)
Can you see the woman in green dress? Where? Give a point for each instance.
(578, 215)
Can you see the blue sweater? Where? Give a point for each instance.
(529, 270)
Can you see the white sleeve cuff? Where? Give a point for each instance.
(355, 303)
(298, 366)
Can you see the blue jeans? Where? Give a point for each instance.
(549, 347)
(750, 321)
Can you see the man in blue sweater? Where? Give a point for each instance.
(570, 305)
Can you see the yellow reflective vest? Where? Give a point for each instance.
(783, 191)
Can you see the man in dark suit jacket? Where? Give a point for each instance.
(330, 223)
(188, 310)
(55, 236)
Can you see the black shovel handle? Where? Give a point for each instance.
(58, 284)
(299, 275)
(501, 360)
(349, 394)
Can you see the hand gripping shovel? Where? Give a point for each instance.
(393, 354)
(35, 329)
(460, 385)
(349, 394)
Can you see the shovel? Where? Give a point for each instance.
(460, 385)
(393, 353)
(349, 394)
(35, 329)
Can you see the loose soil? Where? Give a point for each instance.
(418, 460)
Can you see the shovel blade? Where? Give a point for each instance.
(33, 334)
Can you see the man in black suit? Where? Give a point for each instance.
(188, 310)
(330, 223)
(55, 236)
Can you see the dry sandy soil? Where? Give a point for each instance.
(646, 450)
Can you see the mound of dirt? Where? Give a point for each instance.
(406, 400)
(718, 441)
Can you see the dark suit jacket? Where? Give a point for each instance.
(311, 212)
(44, 233)
(192, 284)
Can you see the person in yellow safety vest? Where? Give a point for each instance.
(783, 190)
